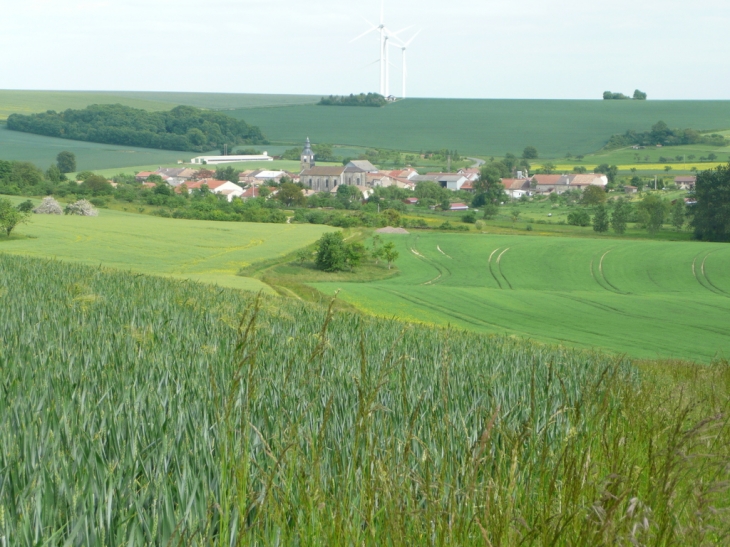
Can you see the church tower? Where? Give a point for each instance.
(307, 156)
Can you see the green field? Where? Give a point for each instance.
(645, 298)
(28, 102)
(484, 127)
(42, 151)
(136, 410)
(210, 252)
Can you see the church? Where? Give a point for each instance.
(328, 178)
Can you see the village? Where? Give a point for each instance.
(365, 176)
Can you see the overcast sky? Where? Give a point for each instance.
(557, 49)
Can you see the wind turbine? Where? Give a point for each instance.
(404, 47)
(385, 35)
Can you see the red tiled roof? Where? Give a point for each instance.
(210, 183)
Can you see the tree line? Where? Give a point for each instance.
(182, 128)
(370, 99)
(662, 134)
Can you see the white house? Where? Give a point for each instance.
(223, 187)
(516, 188)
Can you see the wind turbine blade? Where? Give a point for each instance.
(382, 11)
(408, 43)
(364, 34)
(401, 30)
(370, 64)
(368, 22)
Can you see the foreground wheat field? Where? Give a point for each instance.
(142, 411)
(644, 298)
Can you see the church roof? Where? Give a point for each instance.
(324, 171)
(361, 165)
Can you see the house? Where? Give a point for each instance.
(260, 176)
(589, 179)
(631, 189)
(222, 187)
(459, 207)
(690, 201)
(468, 186)
(685, 183)
(471, 174)
(251, 192)
(218, 160)
(407, 173)
(411, 201)
(544, 184)
(143, 175)
(516, 188)
(366, 191)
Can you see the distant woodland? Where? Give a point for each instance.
(182, 128)
(662, 134)
(371, 99)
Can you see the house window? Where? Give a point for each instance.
(310, 183)
(327, 183)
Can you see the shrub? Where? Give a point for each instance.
(579, 218)
(82, 208)
(48, 206)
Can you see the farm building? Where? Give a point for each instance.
(407, 173)
(516, 188)
(631, 189)
(218, 160)
(562, 183)
(260, 176)
(686, 182)
(459, 207)
(411, 201)
(450, 181)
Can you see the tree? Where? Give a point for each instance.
(600, 220)
(355, 252)
(667, 168)
(639, 95)
(529, 153)
(488, 186)
(389, 253)
(227, 173)
(98, 185)
(489, 211)
(651, 212)
(290, 194)
(579, 218)
(678, 214)
(26, 206)
(54, 174)
(303, 255)
(10, 216)
(446, 204)
(515, 215)
(66, 162)
(620, 216)
(609, 170)
(392, 217)
(594, 195)
(548, 168)
(711, 214)
(331, 252)
(377, 251)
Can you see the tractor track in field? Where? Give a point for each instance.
(601, 279)
(442, 270)
(443, 309)
(443, 253)
(490, 267)
(703, 278)
(499, 267)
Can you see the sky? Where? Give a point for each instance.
(551, 49)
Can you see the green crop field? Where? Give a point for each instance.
(42, 151)
(483, 127)
(210, 252)
(645, 298)
(27, 102)
(141, 411)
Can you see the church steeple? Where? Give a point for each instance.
(307, 156)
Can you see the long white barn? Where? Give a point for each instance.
(217, 160)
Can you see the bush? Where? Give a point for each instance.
(579, 218)
(82, 208)
(48, 206)
(469, 218)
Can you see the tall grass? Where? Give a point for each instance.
(140, 411)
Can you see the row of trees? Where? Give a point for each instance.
(610, 96)
(370, 99)
(182, 128)
(662, 134)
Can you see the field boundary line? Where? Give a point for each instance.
(490, 267)
(443, 253)
(499, 267)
